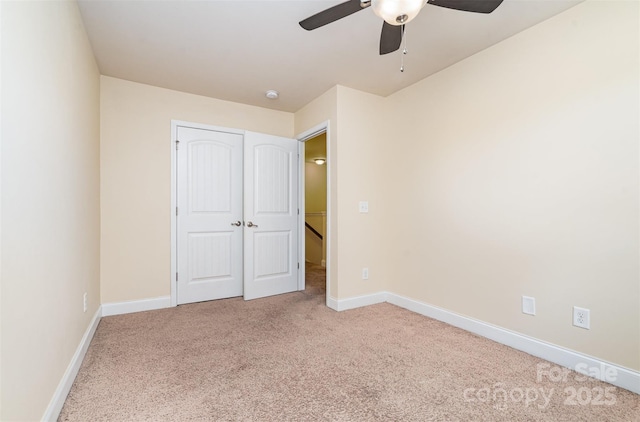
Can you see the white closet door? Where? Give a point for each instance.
(271, 215)
(209, 221)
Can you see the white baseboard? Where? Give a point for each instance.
(357, 302)
(60, 395)
(332, 303)
(624, 377)
(128, 307)
(57, 401)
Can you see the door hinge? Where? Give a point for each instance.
(176, 277)
(298, 265)
(176, 210)
(177, 143)
(298, 211)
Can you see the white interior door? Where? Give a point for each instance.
(209, 215)
(271, 215)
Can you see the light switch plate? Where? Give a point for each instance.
(363, 206)
(528, 305)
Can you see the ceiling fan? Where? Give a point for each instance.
(396, 13)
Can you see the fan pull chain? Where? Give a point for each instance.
(404, 48)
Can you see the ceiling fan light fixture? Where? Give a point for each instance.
(397, 12)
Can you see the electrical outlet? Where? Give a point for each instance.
(581, 317)
(365, 273)
(84, 302)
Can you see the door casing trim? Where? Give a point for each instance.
(323, 127)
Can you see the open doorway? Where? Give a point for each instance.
(315, 198)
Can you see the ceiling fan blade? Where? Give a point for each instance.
(477, 6)
(390, 38)
(332, 14)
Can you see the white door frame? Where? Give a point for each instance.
(303, 137)
(323, 127)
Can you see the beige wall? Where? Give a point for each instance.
(355, 153)
(50, 199)
(135, 168)
(315, 176)
(516, 173)
(361, 152)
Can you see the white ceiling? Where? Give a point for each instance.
(236, 50)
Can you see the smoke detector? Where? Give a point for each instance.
(272, 94)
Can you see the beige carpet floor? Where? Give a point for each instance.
(290, 358)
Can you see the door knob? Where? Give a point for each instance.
(237, 223)
(250, 224)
